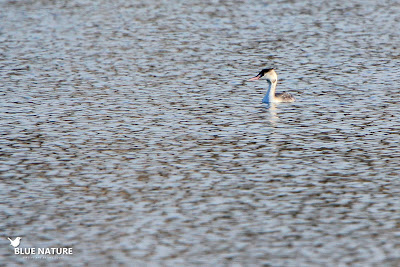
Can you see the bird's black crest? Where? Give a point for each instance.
(262, 73)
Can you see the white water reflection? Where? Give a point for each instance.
(273, 117)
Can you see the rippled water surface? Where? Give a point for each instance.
(129, 132)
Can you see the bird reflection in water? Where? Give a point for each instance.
(273, 116)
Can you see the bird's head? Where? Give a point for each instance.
(18, 238)
(268, 74)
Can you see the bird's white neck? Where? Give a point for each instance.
(270, 96)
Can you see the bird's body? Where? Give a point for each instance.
(285, 97)
(15, 243)
(272, 80)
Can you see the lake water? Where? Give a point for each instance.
(129, 132)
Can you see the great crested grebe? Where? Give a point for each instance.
(272, 80)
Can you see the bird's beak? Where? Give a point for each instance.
(254, 78)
